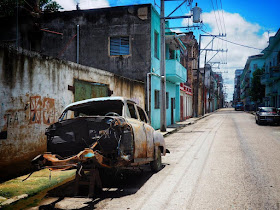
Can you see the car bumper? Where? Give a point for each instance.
(269, 119)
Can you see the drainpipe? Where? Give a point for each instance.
(17, 27)
(78, 42)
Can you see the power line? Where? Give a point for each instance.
(242, 45)
(219, 16)
(223, 16)
(215, 16)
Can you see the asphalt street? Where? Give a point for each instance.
(223, 161)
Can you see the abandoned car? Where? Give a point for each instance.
(103, 132)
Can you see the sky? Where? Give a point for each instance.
(246, 22)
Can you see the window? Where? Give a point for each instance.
(173, 101)
(132, 111)
(156, 45)
(119, 45)
(171, 54)
(142, 114)
(167, 100)
(255, 66)
(157, 104)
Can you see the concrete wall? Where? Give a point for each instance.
(33, 92)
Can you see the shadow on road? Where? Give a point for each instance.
(115, 184)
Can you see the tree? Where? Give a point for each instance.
(257, 91)
(49, 5)
(8, 7)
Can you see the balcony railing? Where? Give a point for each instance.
(275, 68)
(264, 79)
(275, 74)
(175, 72)
(269, 78)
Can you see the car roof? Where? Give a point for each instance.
(113, 98)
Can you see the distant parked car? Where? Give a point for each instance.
(267, 115)
(239, 106)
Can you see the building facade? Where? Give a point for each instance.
(271, 76)
(190, 63)
(236, 93)
(253, 63)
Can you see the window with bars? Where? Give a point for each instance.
(167, 100)
(156, 45)
(119, 45)
(157, 102)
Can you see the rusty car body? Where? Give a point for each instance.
(105, 132)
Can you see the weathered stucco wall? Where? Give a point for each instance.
(33, 92)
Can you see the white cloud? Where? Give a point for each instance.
(91, 4)
(237, 30)
(84, 4)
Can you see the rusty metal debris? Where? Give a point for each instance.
(88, 155)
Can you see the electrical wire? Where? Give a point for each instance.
(241, 45)
(215, 16)
(224, 27)
(223, 16)
(219, 16)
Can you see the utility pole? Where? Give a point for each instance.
(198, 64)
(197, 79)
(203, 82)
(162, 69)
(17, 44)
(196, 19)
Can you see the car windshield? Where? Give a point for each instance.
(95, 108)
(267, 109)
(240, 103)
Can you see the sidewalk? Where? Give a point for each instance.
(179, 125)
(15, 191)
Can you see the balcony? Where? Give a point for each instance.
(264, 78)
(175, 72)
(275, 68)
(269, 78)
(275, 75)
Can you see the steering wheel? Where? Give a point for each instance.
(112, 114)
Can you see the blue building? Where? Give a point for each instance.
(271, 77)
(253, 63)
(175, 73)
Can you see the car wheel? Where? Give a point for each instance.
(156, 165)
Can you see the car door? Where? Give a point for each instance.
(140, 139)
(149, 130)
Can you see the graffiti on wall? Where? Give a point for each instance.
(35, 109)
(48, 111)
(42, 110)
